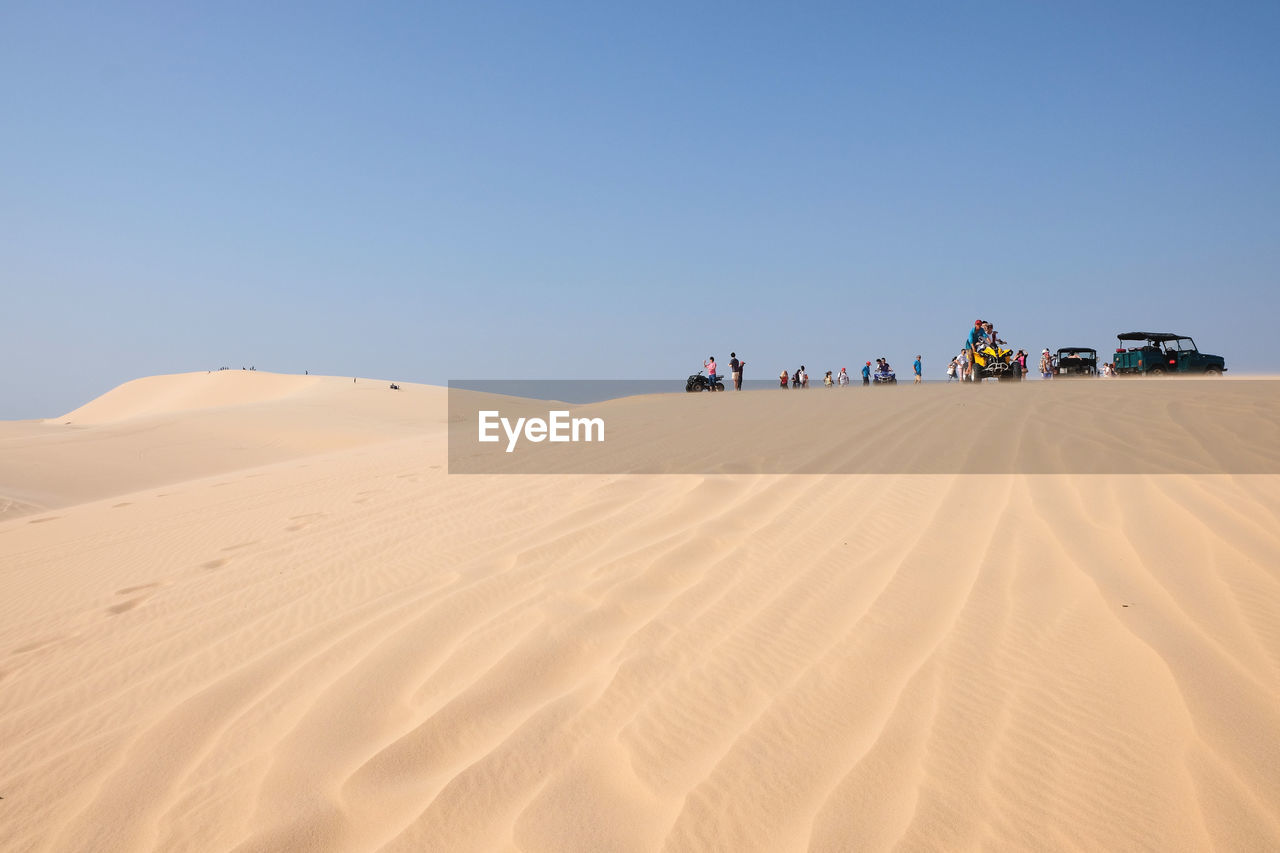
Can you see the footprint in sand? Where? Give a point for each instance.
(304, 520)
(38, 645)
(125, 503)
(125, 606)
(43, 520)
(215, 564)
(131, 589)
(241, 545)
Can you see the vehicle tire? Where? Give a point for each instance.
(1156, 371)
(1212, 371)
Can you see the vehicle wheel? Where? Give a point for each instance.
(1156, 371)
(1212, 371)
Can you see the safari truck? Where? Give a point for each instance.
(1157, 353)
(1076, 361)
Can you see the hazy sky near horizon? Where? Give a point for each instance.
(431, 191)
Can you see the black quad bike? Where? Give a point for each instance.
(698, 382)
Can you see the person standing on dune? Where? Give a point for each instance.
(735, 367)
(915, 365)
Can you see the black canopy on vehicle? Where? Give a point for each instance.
(1149, 336)
(1077, 349)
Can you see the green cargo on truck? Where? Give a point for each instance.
(1157, 353)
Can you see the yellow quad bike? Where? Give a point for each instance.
(995, 362)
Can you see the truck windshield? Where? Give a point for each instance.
(1180, 344)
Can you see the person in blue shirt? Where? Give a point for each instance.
(866, 373)
(976, 335)
(915, 365)
(971, 344)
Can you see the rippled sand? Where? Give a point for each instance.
(256, 612)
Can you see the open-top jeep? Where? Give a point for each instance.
(1077, 361)
(1156, 353)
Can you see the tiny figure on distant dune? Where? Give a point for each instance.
(827, 381)
(735, 368)
(843, 380)
(804, 377)
(915, 365)
(866, 373)
(710, 365)
(782, 379)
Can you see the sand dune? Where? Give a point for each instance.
(163, 430)
(294, 630)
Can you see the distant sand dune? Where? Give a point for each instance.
(329, 643)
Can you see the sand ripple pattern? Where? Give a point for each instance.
(360, 652)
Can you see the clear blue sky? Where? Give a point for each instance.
(544, 190)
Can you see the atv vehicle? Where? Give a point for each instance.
(1164, 352)
(698, 382)
(884, 377)
(995, 361)
(1077, 361)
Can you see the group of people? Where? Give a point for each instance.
(800, 378)
(735, 370)
(961, 368)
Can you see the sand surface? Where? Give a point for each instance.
(253, 612)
